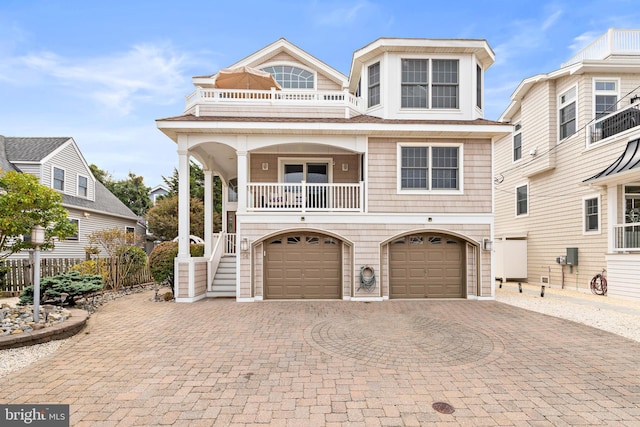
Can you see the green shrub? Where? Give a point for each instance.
(162, 256)
(72, 283)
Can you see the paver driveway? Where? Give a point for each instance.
(218, 362)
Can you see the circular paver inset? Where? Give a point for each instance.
(403, 341)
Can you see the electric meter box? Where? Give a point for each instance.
(572, 256)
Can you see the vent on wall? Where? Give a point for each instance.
(544, 280)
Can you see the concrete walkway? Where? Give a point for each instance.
(218, 362)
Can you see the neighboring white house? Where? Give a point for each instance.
(368, 187)
(568, 178)
(59, 164)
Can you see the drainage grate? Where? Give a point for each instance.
(443, 407)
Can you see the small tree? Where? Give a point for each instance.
(162, 219)
(125, 259)
(24, 203)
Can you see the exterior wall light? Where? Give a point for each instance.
(487, 244)
(244, 245)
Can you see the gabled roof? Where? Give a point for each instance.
(37, 150)
(31, 149)
(628, 161)
(283, 45)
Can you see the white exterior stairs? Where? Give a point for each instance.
(224, 281)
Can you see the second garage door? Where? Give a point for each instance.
(302, 266)
(426, 266)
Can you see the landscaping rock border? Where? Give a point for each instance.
(71, 326)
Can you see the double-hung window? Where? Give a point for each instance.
(522, 200)
(374, 85)
(430, 83)
(415, 83)
(567, 113)
(430, 168)
(591, 214)
(58, 178)
(517, 143)
(606, 97)
(83, 186)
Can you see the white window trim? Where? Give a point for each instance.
(429, 107)
(513, 135)
(515, 192)
(64, 182)
(460, 148)
(481, 101)
(78, 231)
(604, 92)
(584, 214)
(561, 106)
(78, 185)
(304, 160)
(365, 84)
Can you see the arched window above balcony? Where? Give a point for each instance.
(290, 77)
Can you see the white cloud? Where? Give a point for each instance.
(548, 23)
(120, 81)
(583, 40)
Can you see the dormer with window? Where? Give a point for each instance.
(422, 79)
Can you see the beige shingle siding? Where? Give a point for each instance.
(383, 180)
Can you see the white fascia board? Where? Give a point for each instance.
(56, 151)
(71, 142)
(293, 50)
(438, 221)
(355, 128)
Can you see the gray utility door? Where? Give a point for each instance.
(302, 266)
(426, 265)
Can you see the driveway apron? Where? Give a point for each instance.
(293, 363)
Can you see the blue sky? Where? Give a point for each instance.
(103, 71)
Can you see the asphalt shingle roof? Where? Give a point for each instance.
(31, 149)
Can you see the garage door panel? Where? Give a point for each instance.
(426, 265)
(308, 266)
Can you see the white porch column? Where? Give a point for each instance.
(224, 216)
(242, 181)
(208, 212)
(612, 215)
(183, 198)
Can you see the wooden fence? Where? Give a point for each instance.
(15, 275)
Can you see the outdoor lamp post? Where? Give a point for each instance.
(37, 239)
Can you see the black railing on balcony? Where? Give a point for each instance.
(615, 123)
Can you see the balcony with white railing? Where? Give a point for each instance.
(305, 197)
(612, 43)
(626, 237)
(205, 100)
(614, 123)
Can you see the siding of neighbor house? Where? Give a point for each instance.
(555, 219)
(72, 163)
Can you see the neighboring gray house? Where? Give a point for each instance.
(157, 192)
(59, 164)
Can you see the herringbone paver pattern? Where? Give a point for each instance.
(310, 363)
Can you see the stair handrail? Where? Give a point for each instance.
(214, 259)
